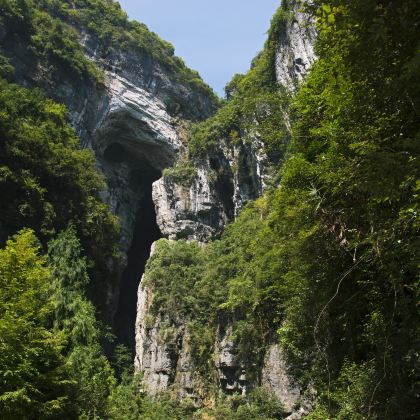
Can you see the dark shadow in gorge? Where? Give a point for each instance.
(146, 231)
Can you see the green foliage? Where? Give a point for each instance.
(355, 144)
(351, 396)
(182, 174)
(34, 382)
(69, 280)
(57, 44)
(327, 263)
(238, 118)
(173, 271)
(258, 405)
(48, 180)
(6, 69)
(164, 407)
(109, 23)
(51, 41)
(229, 279)
(51, 362)
(126, 401)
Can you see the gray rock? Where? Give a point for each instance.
(276, 378)
(295, 52)
(232, 372)
(192, 212)
(156, 346)
(162, 352)
(199, 212)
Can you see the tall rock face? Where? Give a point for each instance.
(131, 126)
(224, 181)
(133, 134)
(295, 52)
(131, 120)
(234, 174)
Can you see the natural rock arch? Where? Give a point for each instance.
(131, 151)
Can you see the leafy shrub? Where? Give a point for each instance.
(48, 180)
(182, 174)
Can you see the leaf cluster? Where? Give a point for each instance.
(328, 262)
(47, 180)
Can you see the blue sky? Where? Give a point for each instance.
(216, 37)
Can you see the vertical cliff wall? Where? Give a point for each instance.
(129, 114)
(225, 179)
(133, 119)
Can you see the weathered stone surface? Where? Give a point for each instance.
(275, 377)
(162, 352)
(225, 181)
(133, 133)
(133, 140)
(155, 350)
(295, 52)
(190, 212)
(232, 372)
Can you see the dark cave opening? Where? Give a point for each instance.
(115, 152)
(146, 231)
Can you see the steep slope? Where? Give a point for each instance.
(286, 281)
(313, 290)
(231, 160)
(126, 94)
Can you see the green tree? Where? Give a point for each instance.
(49, 181)
(75, 316)
(34, 382)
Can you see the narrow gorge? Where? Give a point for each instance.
(169, 254)
(135, 136)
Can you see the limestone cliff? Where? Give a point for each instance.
(220, 189)
(133, 121)
(199, 211)
(295, 52)
(130, 120)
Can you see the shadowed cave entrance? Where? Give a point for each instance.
(145, 232)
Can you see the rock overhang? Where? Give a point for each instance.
(138, 141)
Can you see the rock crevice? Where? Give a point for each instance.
(132, 124)
(225, 180)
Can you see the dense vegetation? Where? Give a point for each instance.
(326, 263)
(49, 181)
(183, 173)
(255, 105)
